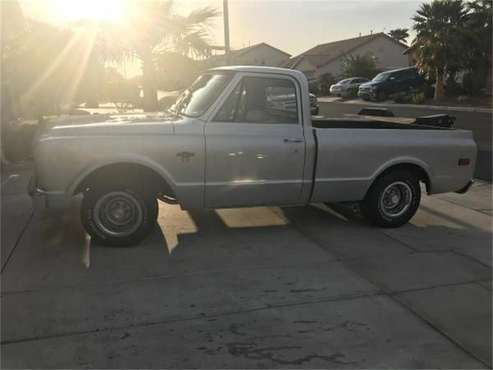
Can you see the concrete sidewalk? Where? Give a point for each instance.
(301, 287)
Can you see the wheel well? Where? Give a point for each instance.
(417, 170)
(124, 173)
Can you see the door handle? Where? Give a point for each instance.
(292, 140)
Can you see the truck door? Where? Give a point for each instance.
(255, 147)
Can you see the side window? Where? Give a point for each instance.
(413, 75)
(404, 76)
(261, 100)
(231, 106)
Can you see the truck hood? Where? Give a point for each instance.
(162, 123)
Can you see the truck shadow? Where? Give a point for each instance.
(204, 240)
(266, 232)
(431, 230)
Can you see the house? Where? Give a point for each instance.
(328, 58)
(259, 54)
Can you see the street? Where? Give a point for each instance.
(264, 287)
(480, 123)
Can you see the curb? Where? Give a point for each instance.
(389, 105)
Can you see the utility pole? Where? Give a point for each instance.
(226, 30)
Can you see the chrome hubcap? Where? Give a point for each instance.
(118, 213)
(396, 199)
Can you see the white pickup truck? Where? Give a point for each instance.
(244, 136)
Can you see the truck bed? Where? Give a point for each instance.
(371, 122)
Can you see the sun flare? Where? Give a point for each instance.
(103, 10)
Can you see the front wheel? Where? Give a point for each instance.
(392, 200)
(118, 216)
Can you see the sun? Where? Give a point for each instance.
(103, 10)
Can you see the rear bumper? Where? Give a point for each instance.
(465, 188)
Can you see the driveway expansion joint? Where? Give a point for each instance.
(166, 277)
(469, 257)
(439, 331)
(17, 241)
(266, 306)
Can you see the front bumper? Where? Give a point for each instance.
(32, 188)
(314, 110)
(46, 199)
(366, 94)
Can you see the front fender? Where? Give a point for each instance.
(121, 159)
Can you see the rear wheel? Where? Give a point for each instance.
(118, 215)
(393, 199)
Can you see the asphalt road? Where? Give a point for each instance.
(264, 287)
(480, 123)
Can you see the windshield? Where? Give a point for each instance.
(381, 77)
(195, 100)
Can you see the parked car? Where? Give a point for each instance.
(288, 102)
(347, 87)
(226, 144)
(391, 82)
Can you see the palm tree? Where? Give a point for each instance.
(399, 34)
(153, 28)
(101, 47)
(438, 45)
(478, 49)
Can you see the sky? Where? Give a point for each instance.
(291, 25)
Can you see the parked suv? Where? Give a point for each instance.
(388, 83)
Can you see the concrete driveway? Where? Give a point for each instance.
(311, 287)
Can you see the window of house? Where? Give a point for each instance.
(261, 100)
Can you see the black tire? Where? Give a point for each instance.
(402, 185)
(96, 219)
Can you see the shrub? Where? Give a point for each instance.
(472, 83)
(359, 66)
(324, 83)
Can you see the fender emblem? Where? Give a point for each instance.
(185, 156)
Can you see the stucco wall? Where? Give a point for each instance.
(388, 53)
(308, 69)
(261, 55)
